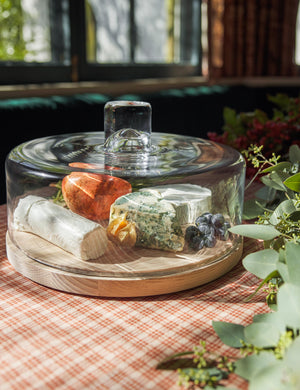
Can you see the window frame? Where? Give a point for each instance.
(80, 70)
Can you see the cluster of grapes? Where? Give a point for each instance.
(207, 229)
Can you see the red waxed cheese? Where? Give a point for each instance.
(91, 194)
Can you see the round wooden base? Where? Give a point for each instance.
(131, 286)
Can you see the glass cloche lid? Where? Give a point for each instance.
(125, 147)
(124, 206)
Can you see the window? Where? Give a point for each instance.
(297, 48)
(34, 41)
(64, 40)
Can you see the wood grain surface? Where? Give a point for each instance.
(119, 272)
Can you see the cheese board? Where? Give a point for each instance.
(128, 283)
(124, 212)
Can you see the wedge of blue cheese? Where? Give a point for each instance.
(189, 200)
(156, 221)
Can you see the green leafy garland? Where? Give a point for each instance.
(270, 345)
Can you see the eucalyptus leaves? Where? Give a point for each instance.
(272, 341)
(279, 225)
(270, 345)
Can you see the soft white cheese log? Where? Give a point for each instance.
(83, 238)
(189, 200)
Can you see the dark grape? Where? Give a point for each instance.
(204, 229)
(218, 220)
(218, 231)
(210, 241)
(201, 244)
(209, 227)
(191, 232)
(196, 242)
(204, 218)
(200, 220)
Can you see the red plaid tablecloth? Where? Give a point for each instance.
(53, 340)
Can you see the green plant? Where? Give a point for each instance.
(277, 132)
(270, 345)
(199, 366)
(279, 224)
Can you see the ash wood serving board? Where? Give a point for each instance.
(119, 273)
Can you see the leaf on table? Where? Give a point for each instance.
(250, 365)
(262, 334)
(258, 232)
(292, 356)
(283, 271)
(202, 374)
(292, 257)
(271, 318)
(231, 334)
(270, 377)
(177, 360)
(261, 263)
(281, 374)
(219, 388)
(174, 364)
(284, 374)
(288, 300)
(293, 182)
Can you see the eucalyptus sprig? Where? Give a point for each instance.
(272, 342)
(199, 368)
(279, 224)
(270, 345)
(254, 155)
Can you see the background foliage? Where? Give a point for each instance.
(12, 44)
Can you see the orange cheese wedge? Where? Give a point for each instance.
(91, 194)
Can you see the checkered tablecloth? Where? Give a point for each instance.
(54, 340)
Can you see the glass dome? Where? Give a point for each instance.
(124, 203)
